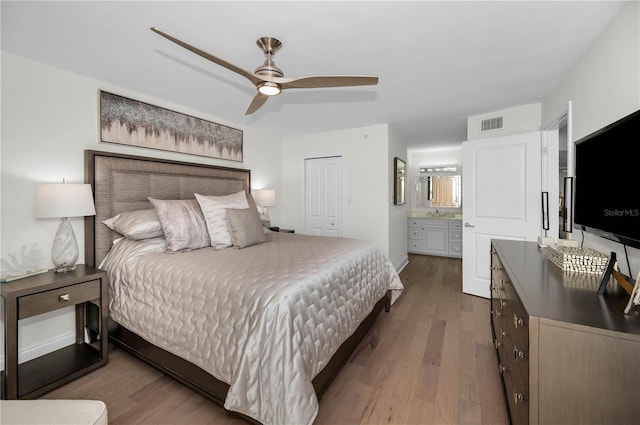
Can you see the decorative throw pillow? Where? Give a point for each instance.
(245, 227)
(214, 210)
(137, 224)
(182, 223)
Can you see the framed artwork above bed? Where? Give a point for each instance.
(131, 122)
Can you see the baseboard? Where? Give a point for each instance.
(403, 263)
(46, 347)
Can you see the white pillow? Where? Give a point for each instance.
(214, 209)
(137, 225)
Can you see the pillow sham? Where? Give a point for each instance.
(182, 223)
(136, 225)
(245, 227)
(214, 210)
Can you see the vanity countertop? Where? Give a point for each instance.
(432, 215)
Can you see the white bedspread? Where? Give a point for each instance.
(264, 319)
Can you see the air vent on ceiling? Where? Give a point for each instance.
(491, 124)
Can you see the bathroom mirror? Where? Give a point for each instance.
(400, 176)
(438, 191)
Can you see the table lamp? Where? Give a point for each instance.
(265, 198)
(63, 201)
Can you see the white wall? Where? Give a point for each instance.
(603, 87)
(516, 120)
(49, 117)
(366, 176)
(430, 157)
(398, 213)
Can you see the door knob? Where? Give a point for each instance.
(468, 225)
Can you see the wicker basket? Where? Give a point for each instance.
(578, 260)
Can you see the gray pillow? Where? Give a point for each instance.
(182, 223)
(245, 227)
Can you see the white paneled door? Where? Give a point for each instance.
(501, 181)
(323, 196)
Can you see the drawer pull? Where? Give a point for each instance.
(518, 354)
(64, 297)
(503, 369)
(517, 322)
(519, 397)
(503, 304)
(497, 344)
(496, 313)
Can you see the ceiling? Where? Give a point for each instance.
(438, 62)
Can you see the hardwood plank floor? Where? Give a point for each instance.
(428, 361)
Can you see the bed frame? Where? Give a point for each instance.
(122, 183)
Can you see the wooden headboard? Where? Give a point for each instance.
(123, 182)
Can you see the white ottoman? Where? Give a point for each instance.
(53, 412)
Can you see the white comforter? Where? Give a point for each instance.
(264, 319)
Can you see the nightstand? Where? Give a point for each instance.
(281, 230)
(86, 289)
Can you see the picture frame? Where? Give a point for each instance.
(399, 180)
(131, 122)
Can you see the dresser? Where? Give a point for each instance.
(565, 354)
(435, 236)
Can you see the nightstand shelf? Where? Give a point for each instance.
(86, 289)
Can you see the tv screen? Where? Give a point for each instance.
(607, 182)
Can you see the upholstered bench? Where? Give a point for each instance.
(53, 412)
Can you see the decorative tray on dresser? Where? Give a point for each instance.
(566, 355)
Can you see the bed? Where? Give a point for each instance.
(261, 330)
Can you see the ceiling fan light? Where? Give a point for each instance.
(269, 89)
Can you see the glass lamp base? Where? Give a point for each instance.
(64, 269)
(64, 252)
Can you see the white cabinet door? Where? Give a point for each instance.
(501, 181)
(435, 241)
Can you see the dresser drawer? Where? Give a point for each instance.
(414, 233)
(415, 245)
(455, 249)
(42, 302)
(517, 397)
(435, 223)
(455, 224)
(455, 235)
(415, 222)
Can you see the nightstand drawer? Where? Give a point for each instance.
(43, 302)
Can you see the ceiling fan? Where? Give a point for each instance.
(269, 79)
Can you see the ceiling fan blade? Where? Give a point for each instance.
(256, 103)
(319, 81)
(255, 79)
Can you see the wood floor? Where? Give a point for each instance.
(428, 361)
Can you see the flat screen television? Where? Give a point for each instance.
(607, 182)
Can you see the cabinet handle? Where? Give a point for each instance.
(503, 304)
(64, 297)
(502, 369)
(468, 225)
(517, 322)
(497, 344)
(518, 354)
(496, 313)
(519, 397)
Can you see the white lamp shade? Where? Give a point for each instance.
(64, 200)
(265, 197)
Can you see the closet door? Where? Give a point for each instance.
(323, 196)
